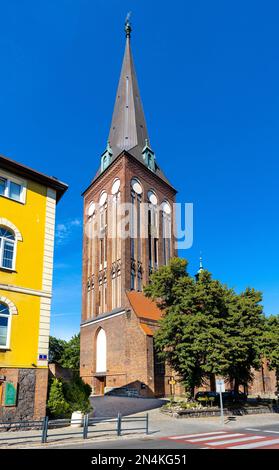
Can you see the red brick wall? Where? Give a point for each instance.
(40, 393)
(124, 168)
(129, 354)
(130, 357)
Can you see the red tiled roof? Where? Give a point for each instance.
(146, 329)
(143, 306)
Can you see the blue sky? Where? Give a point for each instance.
(208, 74)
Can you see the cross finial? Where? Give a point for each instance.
(128, 27)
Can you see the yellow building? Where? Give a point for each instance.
(27, 221)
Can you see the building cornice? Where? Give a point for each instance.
(23, 170)
(107, 316)
(25, 290)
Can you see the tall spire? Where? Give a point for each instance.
(200, 268)
(128, 128)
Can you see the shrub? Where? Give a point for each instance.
(57, 405)
(77, 395)
(66, 397)
(203, 400)
(189, 405)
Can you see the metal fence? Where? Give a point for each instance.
(72, 427)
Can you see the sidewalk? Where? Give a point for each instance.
(160, 425)
(99, 431)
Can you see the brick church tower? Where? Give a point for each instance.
(128, 233)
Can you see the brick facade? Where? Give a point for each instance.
(130, 356)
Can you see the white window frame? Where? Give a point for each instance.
(8, 338)
(2, 249)
(13, 179)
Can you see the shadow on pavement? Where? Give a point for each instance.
(108, 406)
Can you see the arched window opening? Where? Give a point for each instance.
(101, 351)
(135, 235)
(116, 245)
(7, 248)
(166, 225)
(5, 325)
(91, 250)
(153, 231)
(103, 222)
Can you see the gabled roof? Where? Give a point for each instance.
(143, 306)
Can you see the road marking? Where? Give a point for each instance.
(215, 437)
(252, 429)
(232, 441)
(273, 432)
(197, 435)
(258, 444)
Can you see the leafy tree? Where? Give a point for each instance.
(203, 323)
(244, 328)
(270, 344)
(191, 335)
(71, 355)
(56, 349)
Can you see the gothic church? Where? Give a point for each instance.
(118, 321)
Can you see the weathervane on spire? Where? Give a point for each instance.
(128, 27)
(201, 265)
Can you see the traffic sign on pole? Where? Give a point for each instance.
(220, 388)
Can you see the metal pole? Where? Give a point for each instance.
(44, 430)
(119, 424)
(85, 426)
(222, 410)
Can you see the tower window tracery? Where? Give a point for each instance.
(116, 246)
(135, 235)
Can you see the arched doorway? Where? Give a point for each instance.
(101, 361)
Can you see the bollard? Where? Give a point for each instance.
(119, 424)
(44, 430)
(85, 426)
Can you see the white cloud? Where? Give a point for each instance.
(64, 230)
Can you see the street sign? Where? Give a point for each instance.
(10, 394)
(220, 388)
(220, 385)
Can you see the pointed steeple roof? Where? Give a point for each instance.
(201, 269)
(128, 127)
